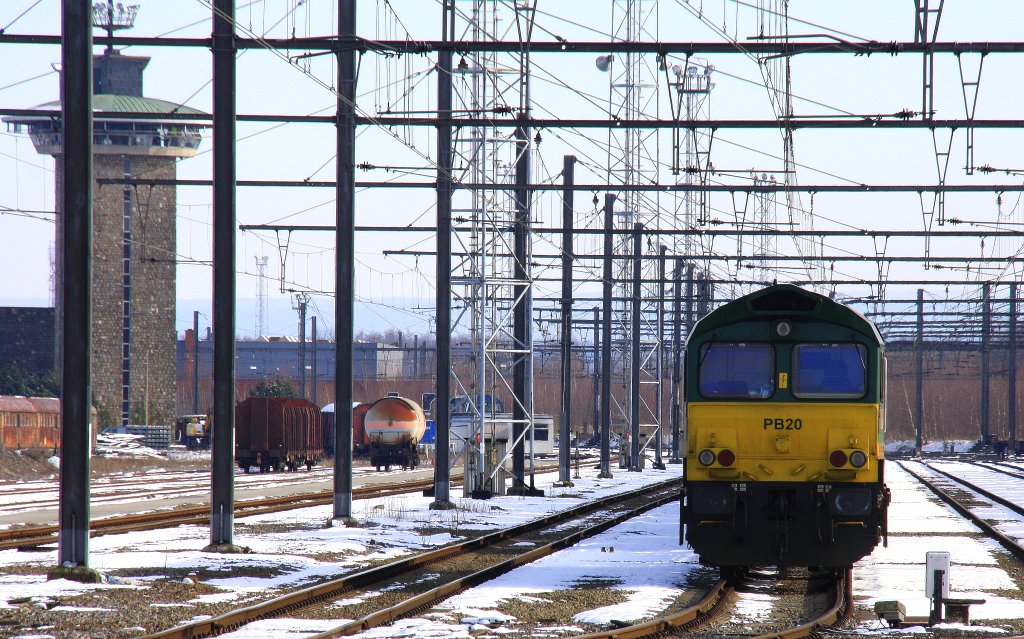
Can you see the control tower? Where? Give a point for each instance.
(134, 234)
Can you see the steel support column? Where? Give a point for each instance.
(344, 266)
(302, 346)
(919, 375)
(76, 292)
(1011, 373)
(314, 375)
(568, 177)
(677, 350)
(521, 324)
(660, 351)
(606, 338)
(195, 363)
(443, 301)
(222, 497)
(986, 367)
(597, 373)
(635, 359)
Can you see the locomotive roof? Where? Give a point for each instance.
(785, 301)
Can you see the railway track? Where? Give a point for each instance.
(964, 510)
(195, 484)
(1006, 469)
(42, 535)
(712, 617)
(420, 581)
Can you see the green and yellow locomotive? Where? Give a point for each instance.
(784, 433)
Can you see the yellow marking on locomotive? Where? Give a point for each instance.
(779, 441)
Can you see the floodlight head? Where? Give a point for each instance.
(603, 62)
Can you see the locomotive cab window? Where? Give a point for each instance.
(829, 371)
(737, 370)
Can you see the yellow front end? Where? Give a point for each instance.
(783, 442)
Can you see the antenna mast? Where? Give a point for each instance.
(261, 295)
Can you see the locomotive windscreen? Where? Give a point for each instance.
(737, 370)
(829, 370)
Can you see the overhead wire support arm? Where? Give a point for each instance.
(724, 188)
(331, 43)
(857, 121)
(698, 232)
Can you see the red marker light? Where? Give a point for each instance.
(726, 457)
(837, 458)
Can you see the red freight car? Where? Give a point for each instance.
(272, 433)
(29, 422)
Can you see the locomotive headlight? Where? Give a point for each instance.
(726, 457)
(837, 458)
(858, 459)
(848, 502)
(783, 329)
(706, 457)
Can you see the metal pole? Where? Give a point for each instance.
(314, 376)
(76, 291)
(520, 318)
(302, 348)
(1011, 373)
(195, 363)
(660, 346)
(597, 372)
(689, 300)
(676, 353)
(919, 376)
(222, 501)
(986, 369)
(568, 174)
(634, 366)
(344, 266)
(606, 340)
(442, 472)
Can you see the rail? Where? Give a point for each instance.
(322, 592)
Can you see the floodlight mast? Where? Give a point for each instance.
(111, 18)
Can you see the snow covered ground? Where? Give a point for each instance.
(296, 548)
(918, 523)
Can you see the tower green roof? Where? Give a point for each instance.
(105, 103)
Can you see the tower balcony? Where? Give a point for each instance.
(152, 136)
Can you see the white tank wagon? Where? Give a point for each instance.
(394, 426)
